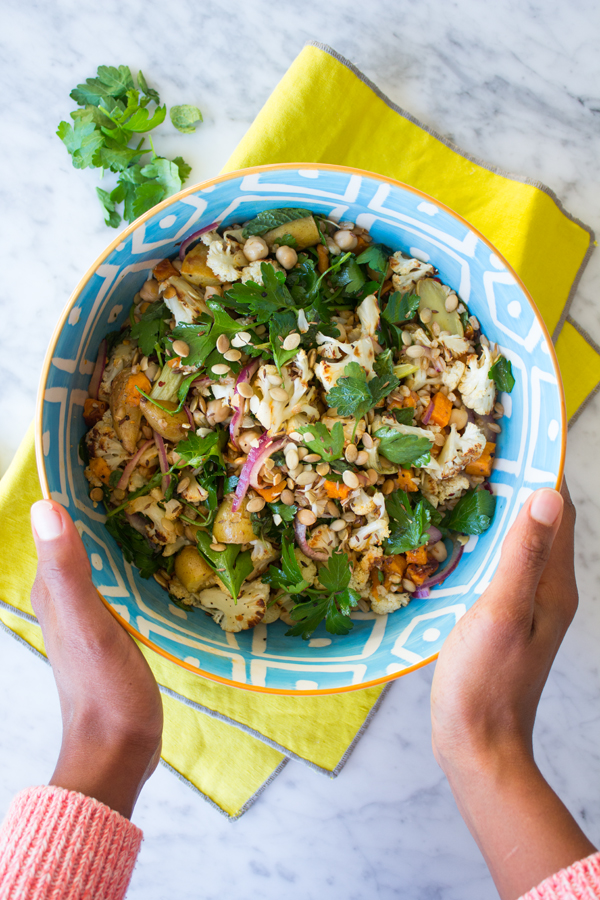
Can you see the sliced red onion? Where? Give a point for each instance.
(194, 236)
(487, 487)
(163, 461)
(434, 534)
(267, 445)
(447, 570)
(188, 413)
(300, 532)
(427, 414)
(201, 382)
(243, 378)
(96, 379)
(138, 522)
(124, 479)
(421, 593)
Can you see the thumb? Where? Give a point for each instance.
(527, 547)
(64, 573)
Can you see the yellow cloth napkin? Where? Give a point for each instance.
(228, 743)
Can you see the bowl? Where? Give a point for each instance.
(530, 450)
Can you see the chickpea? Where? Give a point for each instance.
(211, 291)
(149, 291)
(255, 248)
(246, 438)
(345, 240)
(216, 412)
(438, 551)
(287, 256)
(459, 417)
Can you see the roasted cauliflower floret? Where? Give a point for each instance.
(451, 377)
(322, 539)
(406, 272)
(231, 616)
(460, 450)
(263, 554)
(307, 566)
(359, 580)
(386, 602)
(102, 442)
(253, 272)
(368, 314)
(360, 351)
(457, 345)
(182, 298)
(273, 413)
(120, 358)
(477, 389)
(159, 529)
(376, 529)
(226, 260)
(439, 491)
(362, 504)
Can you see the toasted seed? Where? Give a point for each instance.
(223, 343)
(372, 475)
(494, 427)
(245, 390)
(181, 348)
(96, 494)
(183, 484)
(332, 509)
(425, 315)
(269, 463)
(287, 497)
(245, 336)
(337, 525)
(274, 379)
(408, 585)
(232, 355)
(406, 338)
(388, 486)
(292, 459)
(255, 505)
(367, 440)
(302, 452)
(350, 479)
(294, 473)
(220, 369)
(349, 516)
(351, 453)
(144, 363)
(308, 437)
(310, 496)
(295, 435)
(438, 551)
(278, 478)
(160, 579)
(440, 440)
(323, 468)
(362, 458)
(307, 517)
(217, 547)
(474, 323)
(279, 394)
(415, 351)
(306, 478)
(312, 458)
(451, 303)
(292, 341)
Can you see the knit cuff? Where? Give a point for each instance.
(61, 845)
(581, 881)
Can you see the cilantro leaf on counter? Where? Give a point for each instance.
(82, 141)
(403, 449)
(472, 514)
(328, 444)
(112, 217)
(231, 565)
(184, 117)
(401, 308)
(148, 92)
(501, 374)
(408, 526)
(272, 218)
(151, 328)
(333, 604)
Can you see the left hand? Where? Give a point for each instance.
(110, 702)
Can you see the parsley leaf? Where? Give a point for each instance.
(195, 451)
(472, 514)
(272, 218)
(375, 257)
(404, 416)
(202, 336)
(333, 604)
(151, 328)
(347, 275)
(287, 240)
(136, 548)
(408, 526)
(112, 217)
(148, 92)
(289, 577)
(232, 566)
(184, 117)
(401, 307)
(261, 301)
(353, 395)
(82, 140)
(501, 373)
(328, 444)
(281, 325)
(403, 449)
(110, 83)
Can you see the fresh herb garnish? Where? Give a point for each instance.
(231, 565)
(195, 451)
(136, 548)
(501, 373)
(184, 117)
(272, 218)
(376, 257)
(152, 327)
(289, 577)
(408, 525)
(404, 416)
(328, 444)
(403, 449)
(202, 337)
(472, 514)
(348, 275)
(353, 395)
(401, 308)
(333, 604)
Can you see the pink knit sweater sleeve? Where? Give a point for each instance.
(581, 881)
(61, 845)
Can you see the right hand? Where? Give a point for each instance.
(110, 702)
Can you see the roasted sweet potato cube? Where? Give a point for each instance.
(418, 574)
(417, 557)
(93, 410)
(442, 410)
(406, 481)
(483, 465)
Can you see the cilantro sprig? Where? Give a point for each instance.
(113, 113)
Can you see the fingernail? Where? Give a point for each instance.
(46, 520)
(546, 506)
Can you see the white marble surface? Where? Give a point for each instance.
(515, 83)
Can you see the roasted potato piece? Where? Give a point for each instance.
(93, 410)
(191, 569)
(125, 406)
(304, 230)
(171, 427)
(195, 270)
(230, 527)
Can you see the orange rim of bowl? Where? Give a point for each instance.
(123, 235)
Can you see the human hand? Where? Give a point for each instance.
(487, 684)
(110, 702)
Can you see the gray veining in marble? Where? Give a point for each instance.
(515, 83)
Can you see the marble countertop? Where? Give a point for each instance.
(513, 83)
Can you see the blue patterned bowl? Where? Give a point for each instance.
(530, 449)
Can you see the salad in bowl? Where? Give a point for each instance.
(295, 423)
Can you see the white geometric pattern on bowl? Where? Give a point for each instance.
(529, 454)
